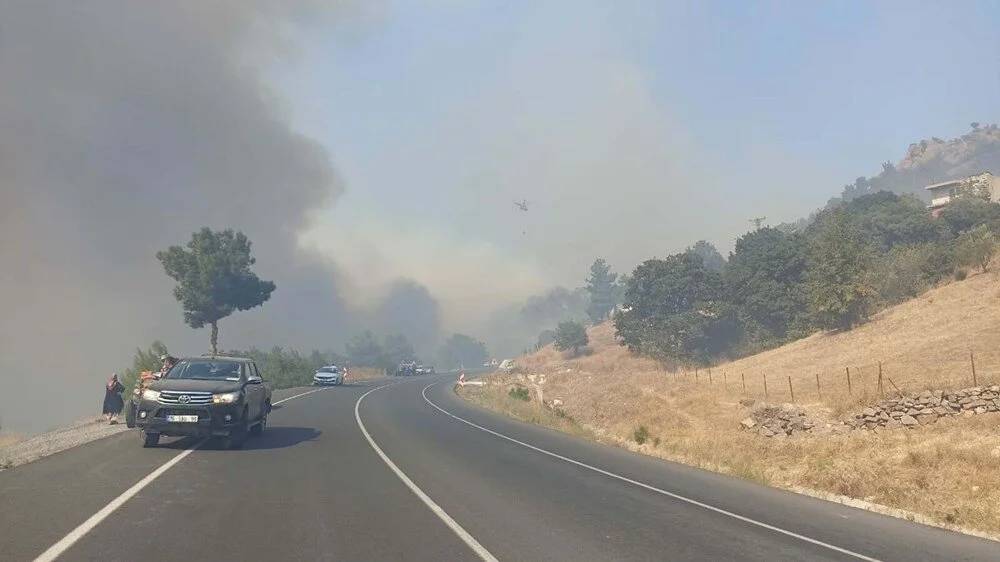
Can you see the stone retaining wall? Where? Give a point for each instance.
(903, 411)
(911, 410)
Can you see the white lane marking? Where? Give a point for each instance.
(649, 487)
(78, 533)
(468, 539)
(298, 395)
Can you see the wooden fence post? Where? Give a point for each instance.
(791, 391)
(696, 375)
(765, 385)
(709, 375)
(725, 382)
(848, 369)
(898, 391)
(744, 377)
(881, 391)
(818, 391)
(972, 360)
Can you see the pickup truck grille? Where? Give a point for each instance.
(176, 397)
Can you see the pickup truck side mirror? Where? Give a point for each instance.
(254, 380)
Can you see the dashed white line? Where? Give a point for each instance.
(94, 520)
(468, 539)
(649, 487)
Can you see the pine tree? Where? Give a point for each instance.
(601, 287)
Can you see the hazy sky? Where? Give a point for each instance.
(632, 128)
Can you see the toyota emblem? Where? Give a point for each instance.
(183, 398)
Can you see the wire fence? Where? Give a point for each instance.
(853, 383)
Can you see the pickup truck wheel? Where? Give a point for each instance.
(150, 439)
(258, 429)
(239, 435)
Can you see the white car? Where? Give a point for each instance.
(331, 374)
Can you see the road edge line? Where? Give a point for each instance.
(467, 538)
(81, 530)
(651, 488)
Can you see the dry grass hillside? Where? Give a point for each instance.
(945, 473)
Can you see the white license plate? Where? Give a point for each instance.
(182, 419)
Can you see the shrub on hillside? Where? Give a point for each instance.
(966, 213)
(571, 336)
(545, 338)
(640, 435)
(520, 393)
(903, 272)
(975, 248)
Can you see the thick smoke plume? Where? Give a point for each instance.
(125, 126)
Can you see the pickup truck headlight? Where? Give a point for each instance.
(151, 395)
(226, 397)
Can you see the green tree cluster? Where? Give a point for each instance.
(676, 308)
(765, 280)
(828, 273)
(839, 286)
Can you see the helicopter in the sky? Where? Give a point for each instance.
(522, 204)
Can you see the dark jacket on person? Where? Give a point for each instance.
(113, 402)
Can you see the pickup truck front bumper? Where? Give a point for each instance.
(214, 420)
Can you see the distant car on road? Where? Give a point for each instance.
(222, 397)
(406, 369)
(331, 374)
(507, 365)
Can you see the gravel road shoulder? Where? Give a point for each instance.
(40, 446)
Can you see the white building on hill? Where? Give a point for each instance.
(983, 185)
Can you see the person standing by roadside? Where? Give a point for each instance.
(113, 402)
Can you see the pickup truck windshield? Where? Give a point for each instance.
(205, 369)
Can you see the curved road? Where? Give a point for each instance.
(408, 471)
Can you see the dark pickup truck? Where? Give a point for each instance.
(223, 397)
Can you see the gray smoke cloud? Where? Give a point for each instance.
(411, 310)
(125, 126)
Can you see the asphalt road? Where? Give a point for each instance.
(413, 473)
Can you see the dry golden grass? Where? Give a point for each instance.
(364, 373)
(945, 473)
(923, 343)
(7, 439)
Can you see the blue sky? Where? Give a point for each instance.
(632, 128)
